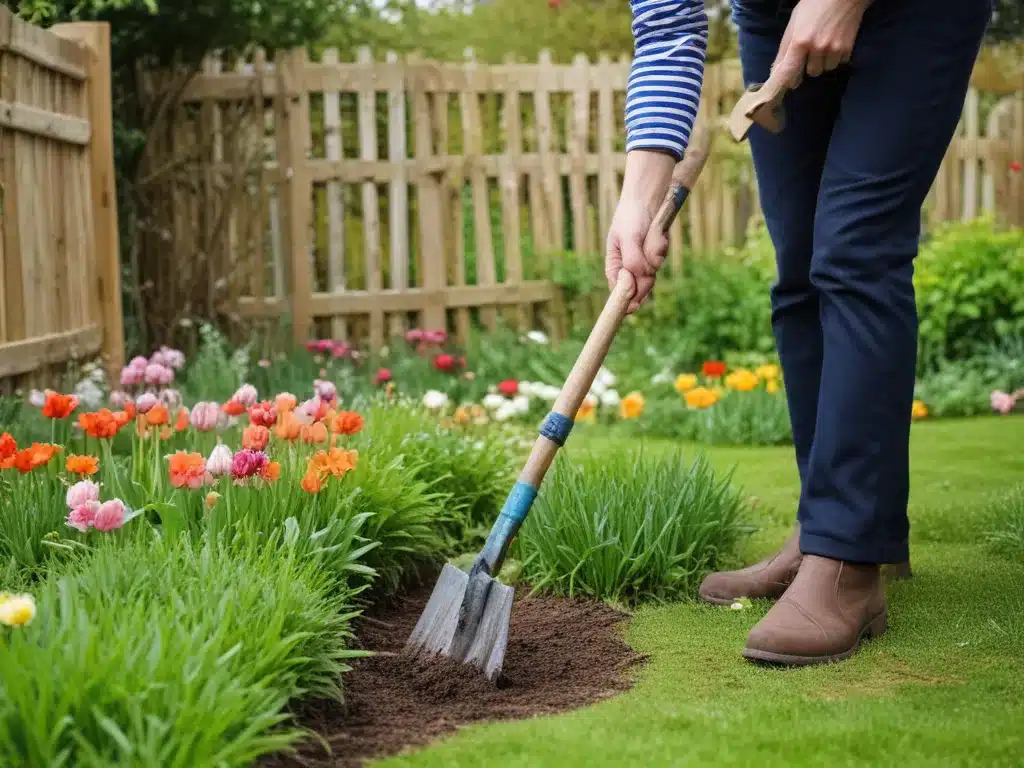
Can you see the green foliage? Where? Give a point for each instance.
(471, 473)
(964, 387)
(1005, 532)
(171, 655)
(216, 372)
(32, 513)
(969, 279)
(739, 418)
(625, 527)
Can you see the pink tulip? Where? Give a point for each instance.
(109, 516)
(247, 463)
(138, 363)
(247, 395)
(439, 336)
(146, 402)
(414, 336)
(204, 416)
(220, 461)
(132, 377)
(325, 389)
(173, 358)
(82, 493)
(119, 399)
(83, 516)
(1002, 402)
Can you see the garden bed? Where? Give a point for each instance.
(562, 654)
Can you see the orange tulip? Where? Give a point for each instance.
(100, 424)
(314, 433)
(82, 465)
(233, 408)
(59, 406)
(311, 482)
(158, 415)
(255, 438)
(335, 462)
(347, 423)
(36, 455)
(285, 402)
(188, 469)
(288, 426)
(8, 446)
(181, 422)
(272, 472)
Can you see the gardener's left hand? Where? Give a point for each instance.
(819, 37)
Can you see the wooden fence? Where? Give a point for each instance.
(418, 192)
(59, 261)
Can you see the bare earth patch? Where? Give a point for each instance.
(562, 654)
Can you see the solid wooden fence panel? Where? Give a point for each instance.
(511, 165)
(60, 290)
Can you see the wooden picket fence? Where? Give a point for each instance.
(59, 262)
(413, 192)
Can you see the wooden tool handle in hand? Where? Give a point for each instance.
(589, 362)
(761, 103)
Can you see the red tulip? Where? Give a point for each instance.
(1015, 166)
(444, 362)
(383, 375)
(509, 387)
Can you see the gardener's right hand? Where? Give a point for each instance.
(644, 185)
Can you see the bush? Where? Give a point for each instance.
(625, 527)
(1006, 527)
(969, 280)
(157, 655)
(964, 387)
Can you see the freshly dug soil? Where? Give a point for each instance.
(561, 654)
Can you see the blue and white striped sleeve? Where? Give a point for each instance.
(665, 78)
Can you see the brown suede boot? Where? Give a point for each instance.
(766, 579)
(827, 610)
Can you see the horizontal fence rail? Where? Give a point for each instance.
(362, 197)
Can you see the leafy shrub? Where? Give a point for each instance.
(472, 472)
(964, 387)
(170, 655)
(969, 280)
(1005, 532)
(625, 527)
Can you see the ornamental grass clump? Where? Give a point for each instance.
(1005, 530)
(630, 527)
(173, 655)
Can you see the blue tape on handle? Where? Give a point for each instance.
(519, 501)
(556, 428)
(680, 196)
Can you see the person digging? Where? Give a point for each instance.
(875, 91)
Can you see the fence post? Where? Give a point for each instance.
(292, 133)
(95, 36)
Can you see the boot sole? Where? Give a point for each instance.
(874, 628)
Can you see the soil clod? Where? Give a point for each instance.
(561, 654)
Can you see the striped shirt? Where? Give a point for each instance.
(665, 78)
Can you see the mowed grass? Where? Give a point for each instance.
(944, 686)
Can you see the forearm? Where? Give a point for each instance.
(665, 79)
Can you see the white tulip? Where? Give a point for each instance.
(664, 377)
(521, 403)
(506, 411)
(435, 400)
(610, 399)
(492, 401)
(537, 337)
(605, 378)
(549, 393)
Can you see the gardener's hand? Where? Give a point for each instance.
(819, 37)
(644, 185)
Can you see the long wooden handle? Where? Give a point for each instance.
(590, 359)
(558, 424)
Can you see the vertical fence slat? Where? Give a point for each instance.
(605, 137)
(371, 209)
(472, 136)
(510, 197)
(398, 191)
(970, 154)
(257, 260)
(430, 219)
(550, 176)
(578, 123)
(335, 197)
(1015, 198)
(293, 137)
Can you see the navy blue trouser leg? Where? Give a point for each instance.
(898, 104)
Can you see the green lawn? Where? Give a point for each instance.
(944, 686)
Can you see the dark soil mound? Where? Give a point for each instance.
(561, 654)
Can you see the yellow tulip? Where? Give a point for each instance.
(685, 382)
(767, 372)
(700, 397)
(16, 610)
(741, 380)
(631, 406)
(918, 410)
(771, 386)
